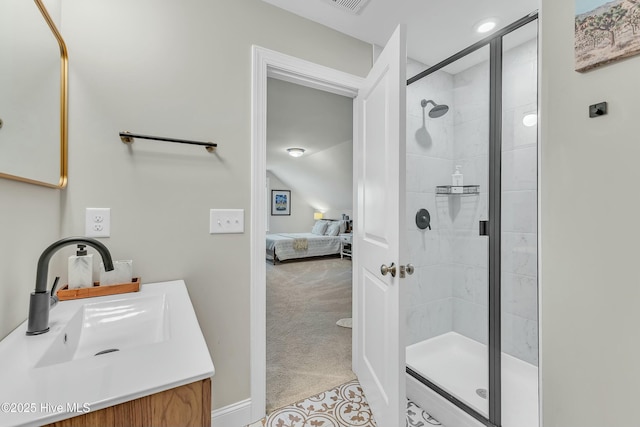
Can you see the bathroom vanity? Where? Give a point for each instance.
(187, 405)
(135, 359)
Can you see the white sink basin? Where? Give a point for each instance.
(97, 329)
(159, 342)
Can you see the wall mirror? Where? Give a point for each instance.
(33, 93)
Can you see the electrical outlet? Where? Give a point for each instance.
(97, 222)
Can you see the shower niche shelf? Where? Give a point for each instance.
(457, 190)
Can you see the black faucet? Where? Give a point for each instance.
(41, 301)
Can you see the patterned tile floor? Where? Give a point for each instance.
(342, 406)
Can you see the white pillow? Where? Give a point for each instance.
(333, 229)
(319, 227)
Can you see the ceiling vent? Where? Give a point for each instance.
(351, 6)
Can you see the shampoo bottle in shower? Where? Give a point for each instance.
(81, 269)
(456, 180)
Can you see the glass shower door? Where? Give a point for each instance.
(448, 303)
(472, 312)
(519, 228)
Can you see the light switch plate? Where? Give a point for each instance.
(97, 222)
(226, 221)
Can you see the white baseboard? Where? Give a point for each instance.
(235, 415)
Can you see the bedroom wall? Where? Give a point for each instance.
(322, 124)
(165, 68)
(301, 218)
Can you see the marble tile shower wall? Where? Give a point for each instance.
(471, 150)
(449, 290)
(429, 164)
(519, 182)
(471, 129)
(519, 205)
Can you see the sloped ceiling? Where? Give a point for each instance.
(320, 123)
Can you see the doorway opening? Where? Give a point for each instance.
(379, 140)
(309, 169)
(267, 63)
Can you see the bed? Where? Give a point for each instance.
(286, 246)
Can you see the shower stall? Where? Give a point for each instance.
(472, 310)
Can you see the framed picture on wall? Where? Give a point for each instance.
(280, 202)
(606, 31)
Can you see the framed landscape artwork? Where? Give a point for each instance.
(280, 202)
(606, 31)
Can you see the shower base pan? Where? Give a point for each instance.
(459, 365)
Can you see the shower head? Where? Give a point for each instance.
(437, 110)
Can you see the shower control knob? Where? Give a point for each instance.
(390, 269)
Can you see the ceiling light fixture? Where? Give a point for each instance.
(486, 26)
(530, 120)
(295, 152)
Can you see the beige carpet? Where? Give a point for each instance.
(307, 353)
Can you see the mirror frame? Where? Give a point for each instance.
(62, 182)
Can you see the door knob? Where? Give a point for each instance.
(390, 269)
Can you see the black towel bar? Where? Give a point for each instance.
(127, 138)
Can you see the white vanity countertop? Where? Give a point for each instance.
(32, 396)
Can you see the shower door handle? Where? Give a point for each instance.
(484, 228)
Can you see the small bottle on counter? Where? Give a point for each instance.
(81, 269)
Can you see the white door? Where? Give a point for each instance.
(379, 344)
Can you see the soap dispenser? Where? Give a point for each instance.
(456, 177)
(81, 269)
(456, 180)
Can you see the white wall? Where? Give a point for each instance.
(589, 226)
(29, 222)
(165, 68)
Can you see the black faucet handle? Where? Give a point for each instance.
(54, 286)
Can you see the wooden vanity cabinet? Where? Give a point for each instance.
(185, 406)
